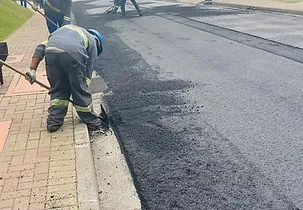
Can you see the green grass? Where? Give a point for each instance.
(12, 15)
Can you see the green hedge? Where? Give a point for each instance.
(12, 15)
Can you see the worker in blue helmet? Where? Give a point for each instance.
(58, 11)
(70, 53)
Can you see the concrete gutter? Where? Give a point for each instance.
(87, 186)
(113, 176)
(103, 178)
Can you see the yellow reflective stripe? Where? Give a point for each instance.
(89, 108)
(51, 6)
(88, 81)
(44, 42)
(84, 37)
(66, 18)
(59, 102)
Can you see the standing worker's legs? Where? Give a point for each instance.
(80, 93)
(137, 7)
(59, 91)
(122, 6)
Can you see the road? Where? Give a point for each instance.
(206, 103)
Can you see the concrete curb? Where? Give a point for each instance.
(265, 9)
(114, 178)
(87, 186)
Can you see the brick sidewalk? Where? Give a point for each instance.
(37, 168)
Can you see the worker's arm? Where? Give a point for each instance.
(90, 67)
(66, 9)
(37, 57)
(35, 5)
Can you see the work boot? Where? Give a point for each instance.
(53, 128)
(53, 124)
(95, 131)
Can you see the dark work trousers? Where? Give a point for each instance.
(58, 20)
(67, 77)
(123, 2)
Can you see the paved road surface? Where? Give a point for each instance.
(208, 117)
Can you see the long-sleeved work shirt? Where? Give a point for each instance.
(75, 41)
(58, 8)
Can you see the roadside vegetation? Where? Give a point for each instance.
(12, 16)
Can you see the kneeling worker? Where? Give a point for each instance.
(70, 53)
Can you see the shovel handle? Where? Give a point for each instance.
(43, 14)
(21, 73)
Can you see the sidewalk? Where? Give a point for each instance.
(38, 169)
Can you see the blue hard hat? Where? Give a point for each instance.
(99, 39)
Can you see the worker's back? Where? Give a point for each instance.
(57, 6)
(74, 40)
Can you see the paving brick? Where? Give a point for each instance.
(61, 195)
(6, 203)
(31, 153)
(34, 136)
(11, 138)
(36, 160)
(8, 147)
(10, 185)
(32, 144)
(21, 203)
(22, 137)
(25, 185)
(10, 175)
(38, 195)
(36, 206)
(62, 163)
(26, 176)
(42, 168)
(59, 188)
(52, 204)
(60, 181)
(15, 194)
(12, 153)
(22, 167)
(4, 167)
(44, 154)
(63, 174)
(38, 177)
(62, 168)
(5, 159)
(64, 133)
(17, 160)
(20, 145)
(44, 142)
(62, 155)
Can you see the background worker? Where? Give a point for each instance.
(58, 11)
(122, 5)
(70, 53)
(23, 3)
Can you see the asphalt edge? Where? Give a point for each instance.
(87, 186)
(254, 8)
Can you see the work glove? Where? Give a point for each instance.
(31, 75)
(35, 6)
(66, 22)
